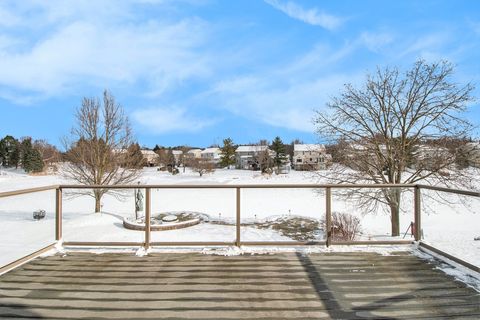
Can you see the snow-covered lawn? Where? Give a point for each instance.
(451, 228)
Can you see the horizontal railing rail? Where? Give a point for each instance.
(241, 186)
(449, 190)
(27, 191)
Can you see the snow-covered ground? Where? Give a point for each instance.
(449, 227)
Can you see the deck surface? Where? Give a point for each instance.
(197, 286)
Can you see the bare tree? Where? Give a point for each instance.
(97, 148)
(201, 166)
(166, 160)
(50, 153)
(183, 157)
(384, 125)
(265, 161)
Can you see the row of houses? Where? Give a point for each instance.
(305, 156)
(423, 157)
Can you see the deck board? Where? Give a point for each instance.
(197, 286)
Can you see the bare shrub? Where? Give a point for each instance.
(345, 227)
(201, 166)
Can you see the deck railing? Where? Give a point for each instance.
(238, 187)
(238, 241)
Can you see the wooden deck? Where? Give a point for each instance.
(196, 286)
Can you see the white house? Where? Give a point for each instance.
(247, 156)
(177, 154)
(211, 154)
(310, 157)
(194, 153)
(431, 157)
(151, 158)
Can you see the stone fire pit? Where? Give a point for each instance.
(165, 221)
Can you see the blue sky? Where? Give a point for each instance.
(197, 71)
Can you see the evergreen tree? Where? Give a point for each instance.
(14, 155)
(279, 148)
(31, 158)
(37, 161)
(9, 152)
(227, 157)
(3, 153)
(134, 158)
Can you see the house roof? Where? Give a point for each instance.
(308, 147)
(251, 148)
(148, 152)
(177, 152)
(211, 150)
(194, 150)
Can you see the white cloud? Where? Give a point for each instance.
(429, 46)
(287, 95)
(170, 119)
(278, 104)
(103, 53)
(310, 16)
(475, 26)
(375, 41)
(7, 18)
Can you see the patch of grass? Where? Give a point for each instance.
(296, 228)
(181, 216)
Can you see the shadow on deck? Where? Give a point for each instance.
(197, 286)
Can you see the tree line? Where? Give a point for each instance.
(30, 155)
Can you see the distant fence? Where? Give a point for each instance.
(238, 241)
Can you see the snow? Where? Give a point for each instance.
(210, 150)
(459, 272)
(253, 148)
(448, 227)
(308, 147)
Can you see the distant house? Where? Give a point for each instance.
(194, 153)
(472, 153)
(151, 158)
(431, 157)
(247, 156)
(177, 154)
(211, 154)
(308, 157)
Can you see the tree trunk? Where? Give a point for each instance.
(395, 211)
(98, 197)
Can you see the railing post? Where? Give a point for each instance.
(58, 214)
(147, 218)
(237, 224)
(417, 214)
(328, 214)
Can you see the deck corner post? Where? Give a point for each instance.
(147, 218)
(58, 214)
(417, 214)
(328, 215)
(237, 224)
